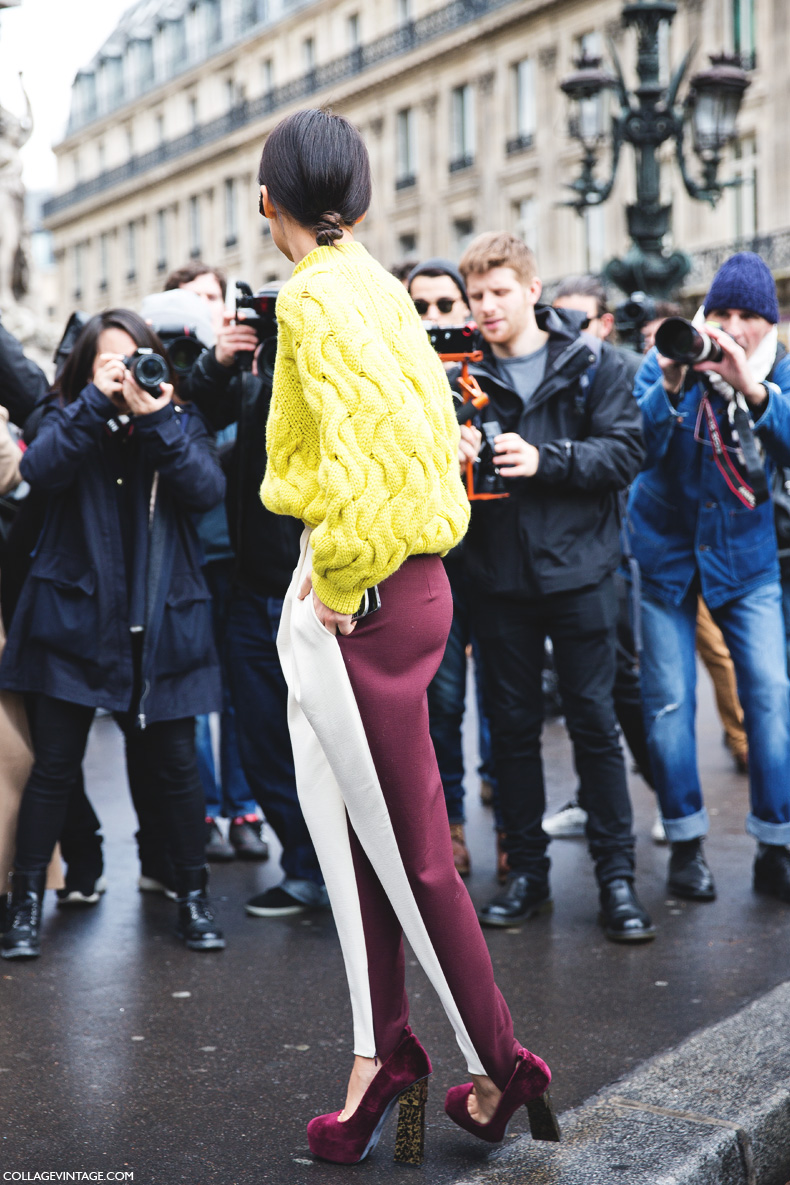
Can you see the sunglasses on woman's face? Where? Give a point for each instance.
(444, 304)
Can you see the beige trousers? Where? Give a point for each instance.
(16, 760)
(713, 651)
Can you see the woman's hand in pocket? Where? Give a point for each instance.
(335, 623)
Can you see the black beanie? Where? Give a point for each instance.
(445, 268)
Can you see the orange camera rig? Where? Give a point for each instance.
(471, 390)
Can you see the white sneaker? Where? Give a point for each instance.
(658, 832)
(569, 822)
(81, 894)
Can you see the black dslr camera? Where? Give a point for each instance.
(461, 343)
(630, 318)
(148, 370)
(255, 309)
(678, 339)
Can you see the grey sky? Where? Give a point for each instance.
(48, 40)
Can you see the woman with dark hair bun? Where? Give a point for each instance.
(114, 612)
(362, 445)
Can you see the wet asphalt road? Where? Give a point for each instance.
(122, 1051)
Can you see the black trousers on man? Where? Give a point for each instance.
(582, 628)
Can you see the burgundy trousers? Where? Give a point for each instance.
(358, 711)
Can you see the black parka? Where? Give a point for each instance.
(559, 530)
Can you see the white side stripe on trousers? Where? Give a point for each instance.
(335, 774)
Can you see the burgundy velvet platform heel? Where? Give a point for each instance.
(402, 1076)
(528, 1087)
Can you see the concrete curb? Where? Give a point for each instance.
(713, 1111)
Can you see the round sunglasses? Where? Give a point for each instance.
(444, 304)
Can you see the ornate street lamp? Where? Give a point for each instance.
(646, 119)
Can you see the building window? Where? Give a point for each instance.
(463, 233)
(231, 213)
(129, 140)
(308, 54)
(743, 32)
(195, 245)
(131, 251)
(745, 193)
(101, 154)
(104, 261)
(79, 270)
(249, 14)
(526, 221)
(523, 80)
(407, 247)
(403, 11)
(267, 76)
(77, 162)
(160, 128)
(230, 93)
(462, 128)
(161, 240)
(192, 105)
(406, 149)
(352, 31)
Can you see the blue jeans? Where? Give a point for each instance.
(753, 629)
(446, 701)
(261, 699)
(229, 795)
(786, 615)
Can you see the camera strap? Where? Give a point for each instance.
(750, 495)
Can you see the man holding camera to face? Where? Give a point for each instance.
(563, 437)
(230, 388)
(700, 521)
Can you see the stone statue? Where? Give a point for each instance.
(15, 131)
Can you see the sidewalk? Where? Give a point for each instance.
(714, 1111)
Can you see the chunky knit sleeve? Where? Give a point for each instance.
(362, 440)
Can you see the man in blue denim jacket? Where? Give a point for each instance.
(692, 534)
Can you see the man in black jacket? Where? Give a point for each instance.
(567, 438)
(266, 546)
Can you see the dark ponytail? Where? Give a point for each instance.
(315, 167)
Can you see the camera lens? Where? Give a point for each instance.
(676, 338)
(183, 353)
(149, 371)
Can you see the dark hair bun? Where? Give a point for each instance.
(315, 166)
(328, 229)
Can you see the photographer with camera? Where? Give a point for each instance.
(439, 296)
(716, 407)
(566, 438)
(230, 389)
(114, 611)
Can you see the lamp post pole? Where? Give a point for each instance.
(647, 118)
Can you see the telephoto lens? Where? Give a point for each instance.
(678, 339)
(148, 370)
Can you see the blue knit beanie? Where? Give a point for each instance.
(744, 281)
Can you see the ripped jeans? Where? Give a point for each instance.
(754, 632)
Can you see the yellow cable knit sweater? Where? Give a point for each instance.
(362, 438)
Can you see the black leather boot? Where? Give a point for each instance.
(23, 920)
(196, 923)
(689, 875)
(772, 871)
(623, 917)
(522, 898)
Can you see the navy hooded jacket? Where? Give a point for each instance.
(70, 635)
